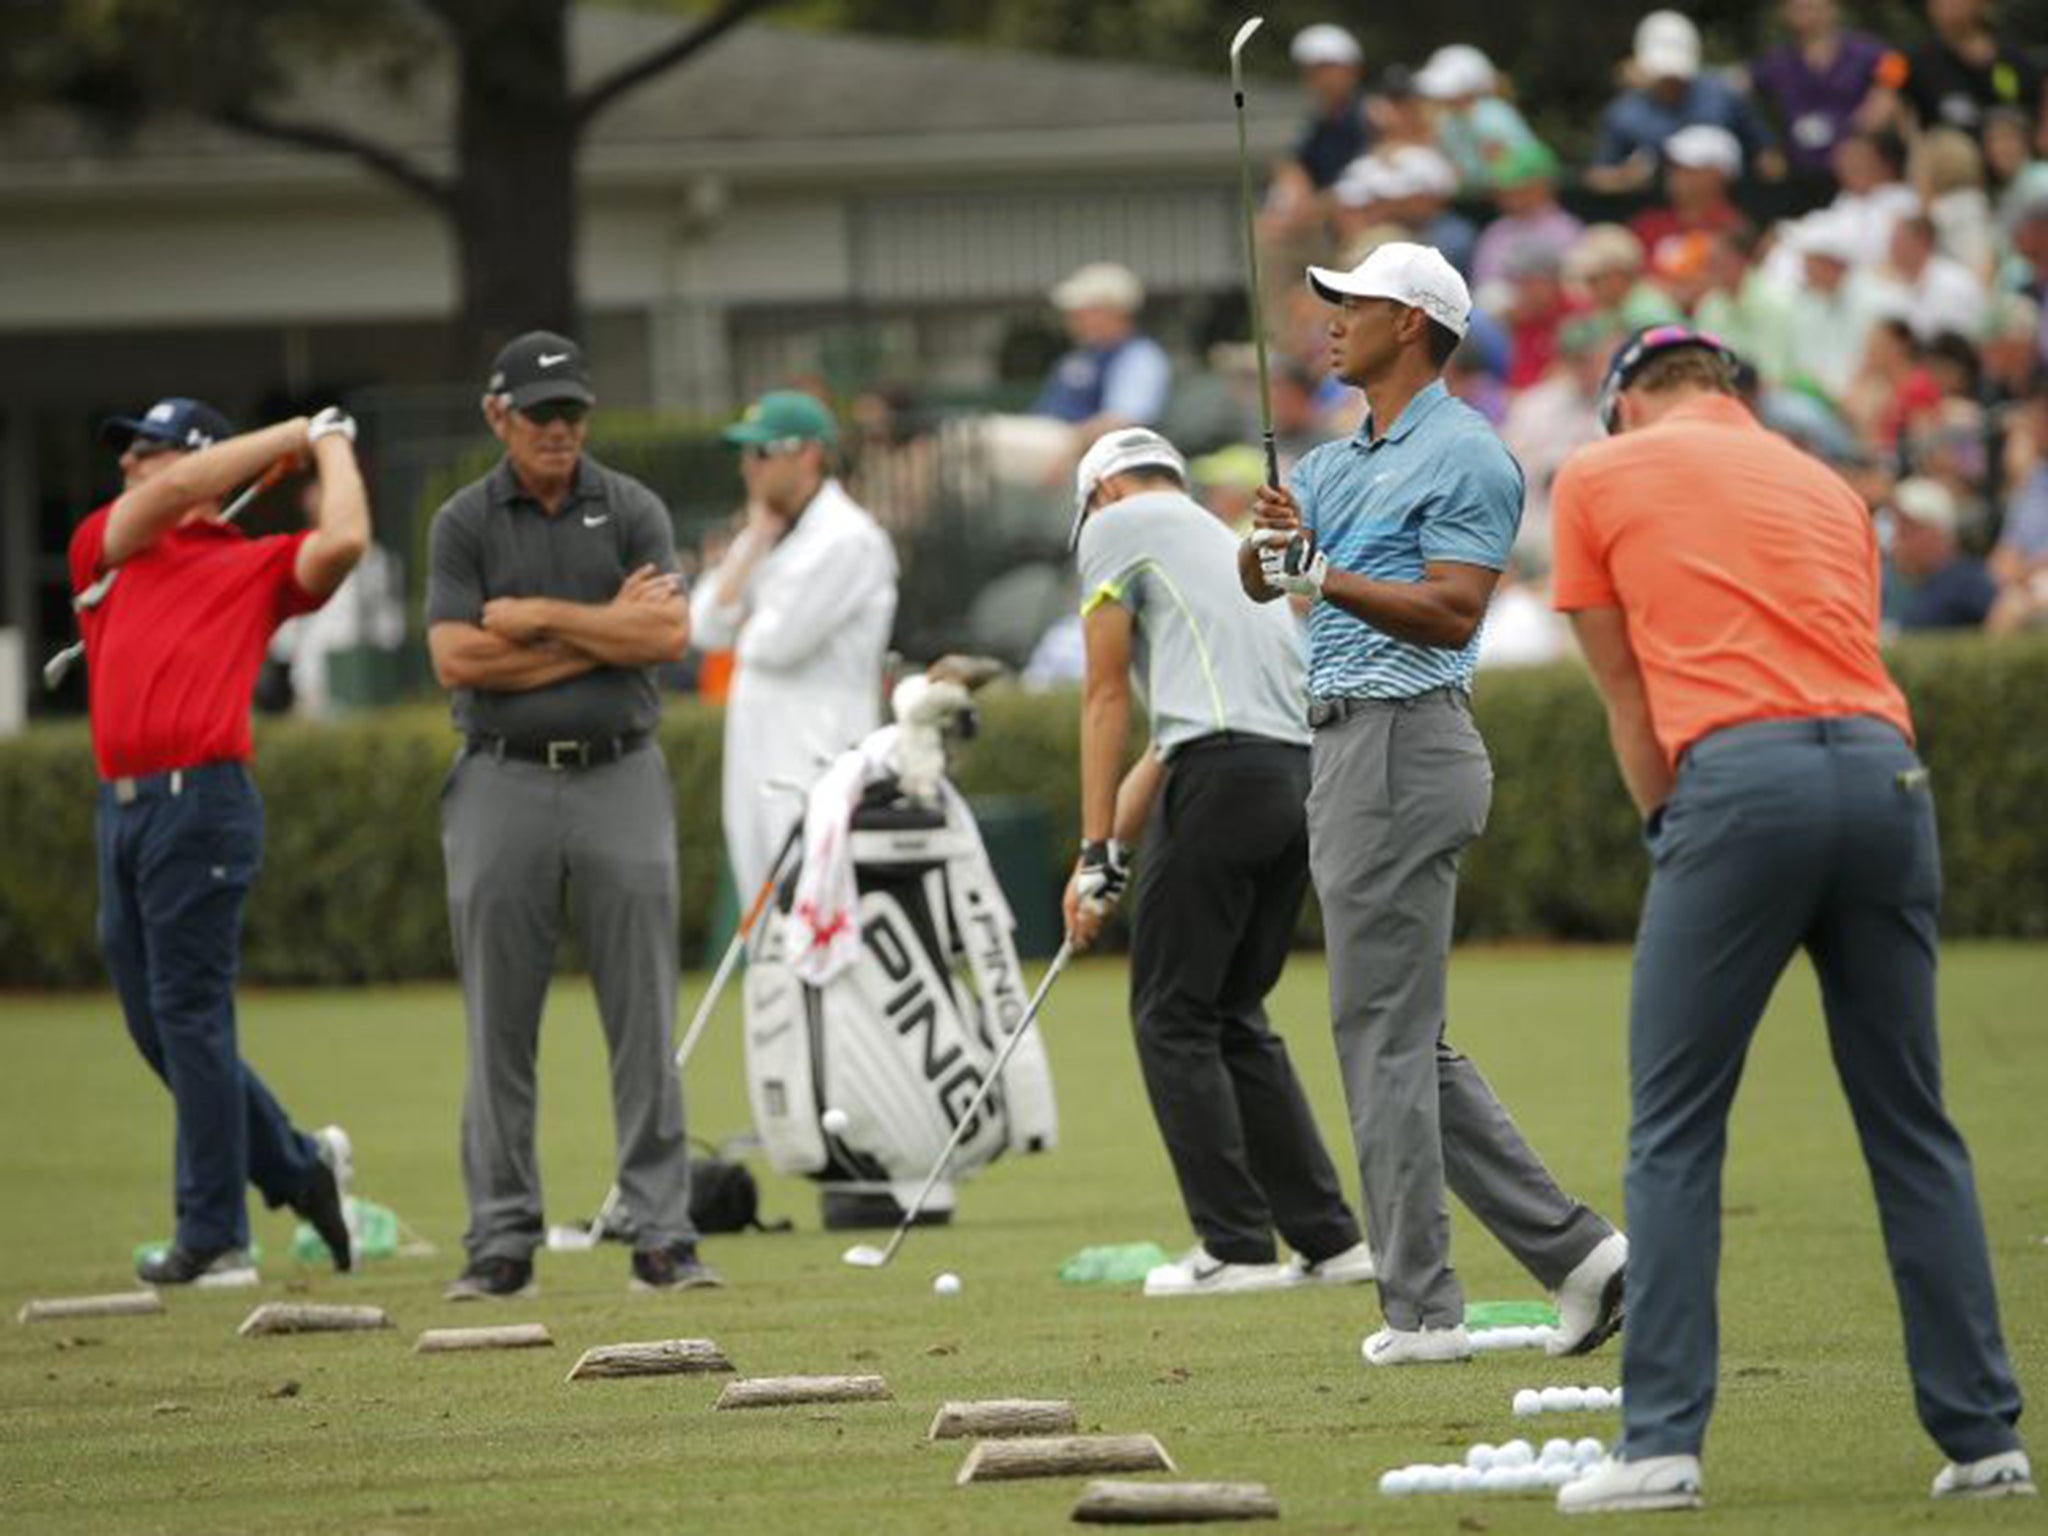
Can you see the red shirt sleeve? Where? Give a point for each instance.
(1578, 572)
(280, 555)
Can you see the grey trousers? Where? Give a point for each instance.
(1814, 834)
(518, 838)
(1398, 789)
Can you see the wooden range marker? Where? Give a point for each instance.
(1117, 1503)
(442, 1341)
(1002, 1417)
(784, 1391)
(291, 1317)
(50, 1309)
(1062, 1456)
(657, 1357)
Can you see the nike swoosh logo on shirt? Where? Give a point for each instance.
(596, 522)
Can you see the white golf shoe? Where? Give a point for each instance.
(2004, 1476)
(1200, 1273)
(1590, 1303)
(1613, 1486)
(1417, 1346)
(1351, 1267)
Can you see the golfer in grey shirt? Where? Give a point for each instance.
(1224, 871)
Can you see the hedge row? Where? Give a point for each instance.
(351, 889)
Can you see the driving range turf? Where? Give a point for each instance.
(174, 1423)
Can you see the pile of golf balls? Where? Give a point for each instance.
(1512, 1338)
(1516, 1467)
(1532, 1400)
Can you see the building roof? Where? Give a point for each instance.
(764, 100)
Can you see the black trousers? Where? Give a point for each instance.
(1219, 884)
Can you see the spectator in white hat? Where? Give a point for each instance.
(1337, 132)
(1669, 93)
(1474, 125)
(1938, 586)
(1700, 164)
(1115, 375)
(1406, 190)
(1836, 306)
(1605, 268)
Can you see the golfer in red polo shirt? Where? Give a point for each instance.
(176, 607)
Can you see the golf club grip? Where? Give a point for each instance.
(995, 1074)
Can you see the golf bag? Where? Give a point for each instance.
(900, 1040)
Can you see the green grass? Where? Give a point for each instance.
(173, 1423)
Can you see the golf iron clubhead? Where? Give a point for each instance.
(1244, 35)
(865, 1255)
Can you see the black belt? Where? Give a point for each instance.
(1215, 739)
(563, 751)
(1322, 712)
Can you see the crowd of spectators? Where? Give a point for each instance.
(1863, 219)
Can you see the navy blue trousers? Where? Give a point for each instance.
(1781, 836)
(175, 866)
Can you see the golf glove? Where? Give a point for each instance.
(1292, 564)
(1104, 872)
(329, 422)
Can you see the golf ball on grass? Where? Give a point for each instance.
(835, 1122)
(946, 1284)
(1528, 1401)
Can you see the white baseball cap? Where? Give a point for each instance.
(1415, 275)
(1927, 502)
(1827, 233)
(1705, 147)
(1667, 46)
(1116, 453)
(1100, 285)
(1454, 70)
(1324, 43)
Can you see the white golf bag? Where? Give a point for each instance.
(898, 1039)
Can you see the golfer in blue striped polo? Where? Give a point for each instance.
(1397, 536)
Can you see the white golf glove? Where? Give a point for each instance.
(1291, 563)
(330, 422)
(1104, 871)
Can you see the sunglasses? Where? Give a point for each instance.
(149, 448)
(760, 453)
(547, 412)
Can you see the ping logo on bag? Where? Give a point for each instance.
(914, 1013)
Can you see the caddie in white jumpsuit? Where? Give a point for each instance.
(804, 599)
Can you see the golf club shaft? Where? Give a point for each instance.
(988, 1086)
(1251, 263)
(59, 666)
(730, 960)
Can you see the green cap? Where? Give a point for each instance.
(783, 415)
(1526, 162)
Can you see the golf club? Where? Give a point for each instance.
(1251, 246)
(866, 1255)
(567, 1239)
(59, 666)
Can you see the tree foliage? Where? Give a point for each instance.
(509, 196)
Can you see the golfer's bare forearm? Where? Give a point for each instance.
(467, 656)
(341, 531)
(1441, 612)
(1105, 722)
(141, 515)
(1251, 578)
(1134, 797)
(620, 634)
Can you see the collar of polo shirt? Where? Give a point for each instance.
(1426, 399)
(504, 487)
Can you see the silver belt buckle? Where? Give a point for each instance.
(124, 791)
(568, 754)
